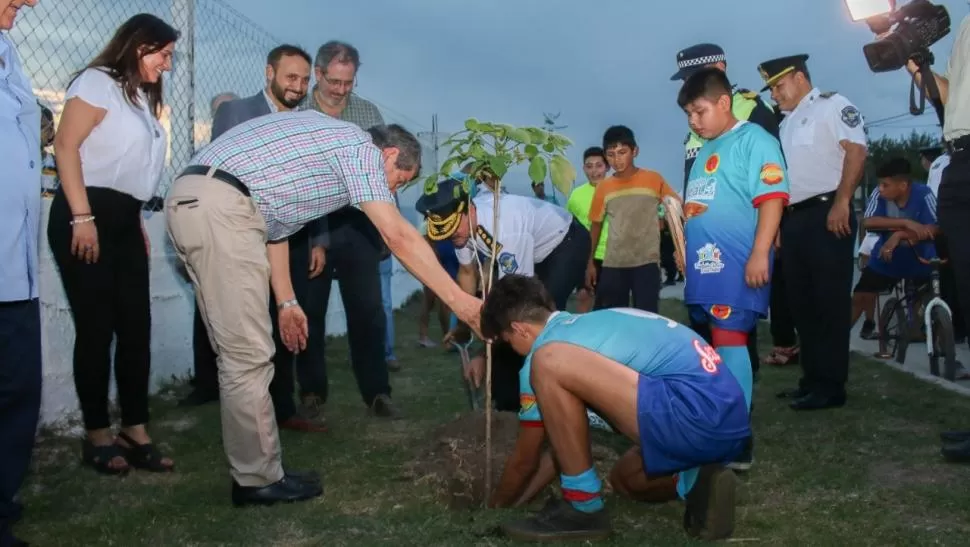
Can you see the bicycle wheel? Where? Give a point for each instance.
(944, 346)
(893, 330)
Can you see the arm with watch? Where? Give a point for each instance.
(292, 320)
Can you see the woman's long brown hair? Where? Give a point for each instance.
(141, 35)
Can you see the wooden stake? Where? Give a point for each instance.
(487, 286)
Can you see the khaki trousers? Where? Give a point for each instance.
(221, 237)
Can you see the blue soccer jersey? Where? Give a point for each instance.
(920, 208)
(645, 342)
(732, 176)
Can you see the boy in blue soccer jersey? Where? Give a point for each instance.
(655, 381)
(736, 192)
(903, 215)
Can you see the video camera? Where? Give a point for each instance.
(918, 25)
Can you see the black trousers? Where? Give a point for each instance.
(562, 272)
(953, 210)
(667, 260)
(20, 387)
(818, 276)
(614, 286)
(782, 324)
(356, 250)
(109, 299)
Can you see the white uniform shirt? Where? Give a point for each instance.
(935, 174)
(126, 151)
(956, 122)
(810, 137)
(529, 229)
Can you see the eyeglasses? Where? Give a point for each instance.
(333, 82)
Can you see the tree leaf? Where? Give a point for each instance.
(537, 169)
(539, 137)
(431, 184)
(471, 124)
(549, 147)
(531, 150)
(520, 135)
(477, 151)
(449, 166)
(563, 174)
(498, 166)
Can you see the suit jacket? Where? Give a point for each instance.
(232, 113)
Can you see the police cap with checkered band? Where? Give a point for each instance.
(696, 57)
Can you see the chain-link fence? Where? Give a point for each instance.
(220, 51)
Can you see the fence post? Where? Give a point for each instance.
(183, 86)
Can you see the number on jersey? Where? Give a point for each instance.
(710, 360)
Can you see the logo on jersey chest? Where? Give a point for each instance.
(699, 191)
(712, 163)
(507, 263)
(709, 259)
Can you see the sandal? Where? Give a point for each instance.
(780, 357)
(99, 458)
(143, 456)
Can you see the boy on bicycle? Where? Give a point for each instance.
(903, 215)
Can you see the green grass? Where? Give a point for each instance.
(869, 474)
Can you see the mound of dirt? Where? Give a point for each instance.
(452, 459)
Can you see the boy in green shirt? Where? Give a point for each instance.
(580, 199)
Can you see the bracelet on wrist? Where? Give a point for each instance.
(287, 304)
(82, 215)
(76, 221)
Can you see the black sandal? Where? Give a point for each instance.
(143, 456)
(99, 458)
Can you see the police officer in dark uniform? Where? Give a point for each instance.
(824, 142)
(746, 105)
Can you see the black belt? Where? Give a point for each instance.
(218, 174)
(957, 145)
(811, 202)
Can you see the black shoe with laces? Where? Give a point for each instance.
(745, 459)
(560, 521)
(868, 331)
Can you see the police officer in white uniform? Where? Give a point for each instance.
(534, 238)
(824, 143)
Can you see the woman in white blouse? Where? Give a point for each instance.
(110, 149)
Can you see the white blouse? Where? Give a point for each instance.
(126, 151)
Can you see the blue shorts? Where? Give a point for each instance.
(724, 317)
(688, 422)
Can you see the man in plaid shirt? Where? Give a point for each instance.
(229, 214)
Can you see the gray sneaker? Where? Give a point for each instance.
(383, 407)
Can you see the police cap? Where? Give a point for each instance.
(443, 208)
(696, 57)
(773, 70)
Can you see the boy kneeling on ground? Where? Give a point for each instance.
(652, 379)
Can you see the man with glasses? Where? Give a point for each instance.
(354, 252)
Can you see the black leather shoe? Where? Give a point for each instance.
(285, 490)
(815, 401)
(199, 397)
(796, 393)
(955, 436)
(957, 452)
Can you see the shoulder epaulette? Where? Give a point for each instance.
(748, 94)
(828, 94)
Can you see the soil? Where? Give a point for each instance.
(452, 459)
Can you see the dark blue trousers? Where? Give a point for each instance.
(20, 381)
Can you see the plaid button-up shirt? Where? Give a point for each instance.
(358, 111)
(300, 166)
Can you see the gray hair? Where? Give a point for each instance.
(334, 50)
(219, 99)
(395, 136)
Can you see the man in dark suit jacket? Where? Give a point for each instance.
(287, 81)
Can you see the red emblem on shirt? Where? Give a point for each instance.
(772, 173)
(720, 312)
(712, 164)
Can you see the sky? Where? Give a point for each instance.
(510, 61)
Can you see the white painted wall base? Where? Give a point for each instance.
(172, 308)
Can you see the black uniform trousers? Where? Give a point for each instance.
(819, 268)
(20, 387)
(782, 324)
(953, 211)
(562, 272)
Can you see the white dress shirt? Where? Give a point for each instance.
(529, 230)
(935, 174)
(20, 181)
(126, 151)
(810, 137)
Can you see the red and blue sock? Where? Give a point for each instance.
(732, 346)
(583, 491)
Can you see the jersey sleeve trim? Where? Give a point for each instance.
(530, 423)
(758, 201)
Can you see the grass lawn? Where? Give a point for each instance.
(869, 474)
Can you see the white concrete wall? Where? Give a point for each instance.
(172, 308)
